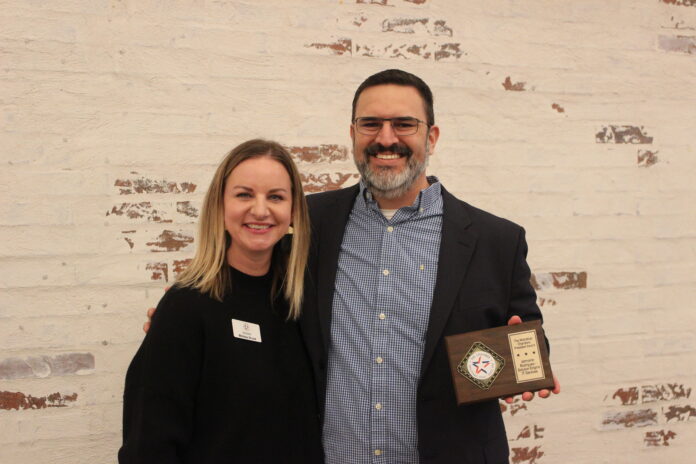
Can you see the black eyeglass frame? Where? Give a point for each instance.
(391, 121)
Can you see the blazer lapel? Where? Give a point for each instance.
(456, 248)
(333, 226)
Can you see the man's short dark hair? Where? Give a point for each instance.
(399, 77)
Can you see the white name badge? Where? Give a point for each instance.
(246, 330)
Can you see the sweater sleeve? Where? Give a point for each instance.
(161, 384)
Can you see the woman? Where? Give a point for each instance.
(222, 375)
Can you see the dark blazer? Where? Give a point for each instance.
(482, 280)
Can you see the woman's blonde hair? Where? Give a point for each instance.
(208, 270)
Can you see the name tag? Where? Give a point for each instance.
(246, 330)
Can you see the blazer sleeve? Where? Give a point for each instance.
(523, 298)
(161, 385)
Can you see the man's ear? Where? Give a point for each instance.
(433, 135)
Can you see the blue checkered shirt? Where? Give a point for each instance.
(383, 292)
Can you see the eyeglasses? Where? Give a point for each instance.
(405, 125)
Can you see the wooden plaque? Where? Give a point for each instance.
(498, 362)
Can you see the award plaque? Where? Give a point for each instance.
(498, 362)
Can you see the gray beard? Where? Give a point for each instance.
(384, 183)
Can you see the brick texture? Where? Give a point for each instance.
(573, 119)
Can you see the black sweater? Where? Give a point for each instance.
(195, 393)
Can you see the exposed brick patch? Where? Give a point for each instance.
(679, 413)
(517, 406)
(160, 271)
(417, 2)
(679, 43)
(169, 240)
(628, 419)
(319, 153)
(179, 265)
(536, 432)
(680, 2)
(627, 397)
(185, 207)
(128, 240)
(320, 183)
(373, 2)
(658, 438)
(622, 134)
(19, 400)
(441, 28)
(560, 280)
(145, 185)
(403, 25)
(359, 21)
(526, 455)
(339, 47)
(140, 210)
(393, 51)
(558, 108)
(664, 392)
(448, 50)
(647, 158)
(516, 87)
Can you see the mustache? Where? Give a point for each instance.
(396, 148)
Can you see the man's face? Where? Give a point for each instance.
(391, 164)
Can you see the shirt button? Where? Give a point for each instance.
(379, 360)
(420, 210)
(378, 452)
(378, 406)
(382, 316)
(385, 272)
(390, 229)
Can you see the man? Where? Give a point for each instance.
(396, 264)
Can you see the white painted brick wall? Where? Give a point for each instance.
(94, 94)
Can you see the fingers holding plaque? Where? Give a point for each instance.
(498, 362)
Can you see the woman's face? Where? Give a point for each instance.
(258, 209)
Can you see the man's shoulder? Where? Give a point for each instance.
(479, 218)
(315, 200)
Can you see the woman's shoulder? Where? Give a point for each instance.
(184, 303)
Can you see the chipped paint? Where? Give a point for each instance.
(558, 108)
(169, 240)
(448, 50)
(680, 2)
(19, 400)
(516, 87)
(339, 47)
(323, 182)
(160, 271)
(628, 419)
(517, 406)
(664, 392)
(679, 413)
(680, 43)
(185, 208)
(526, 454)
(658, 438)
(318, 153)
(559, 280)
(647, 158)
(627, 397)
(536, 432)
(179, 265)
(622, 134)
(402, 25)
(359, 21)
(145, 185)
(373, 2)
(546, 302)
(140, 210)
(440, 28)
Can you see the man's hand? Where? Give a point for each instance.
(150, 312)
(528, 396)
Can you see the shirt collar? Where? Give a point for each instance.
(425, 199)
